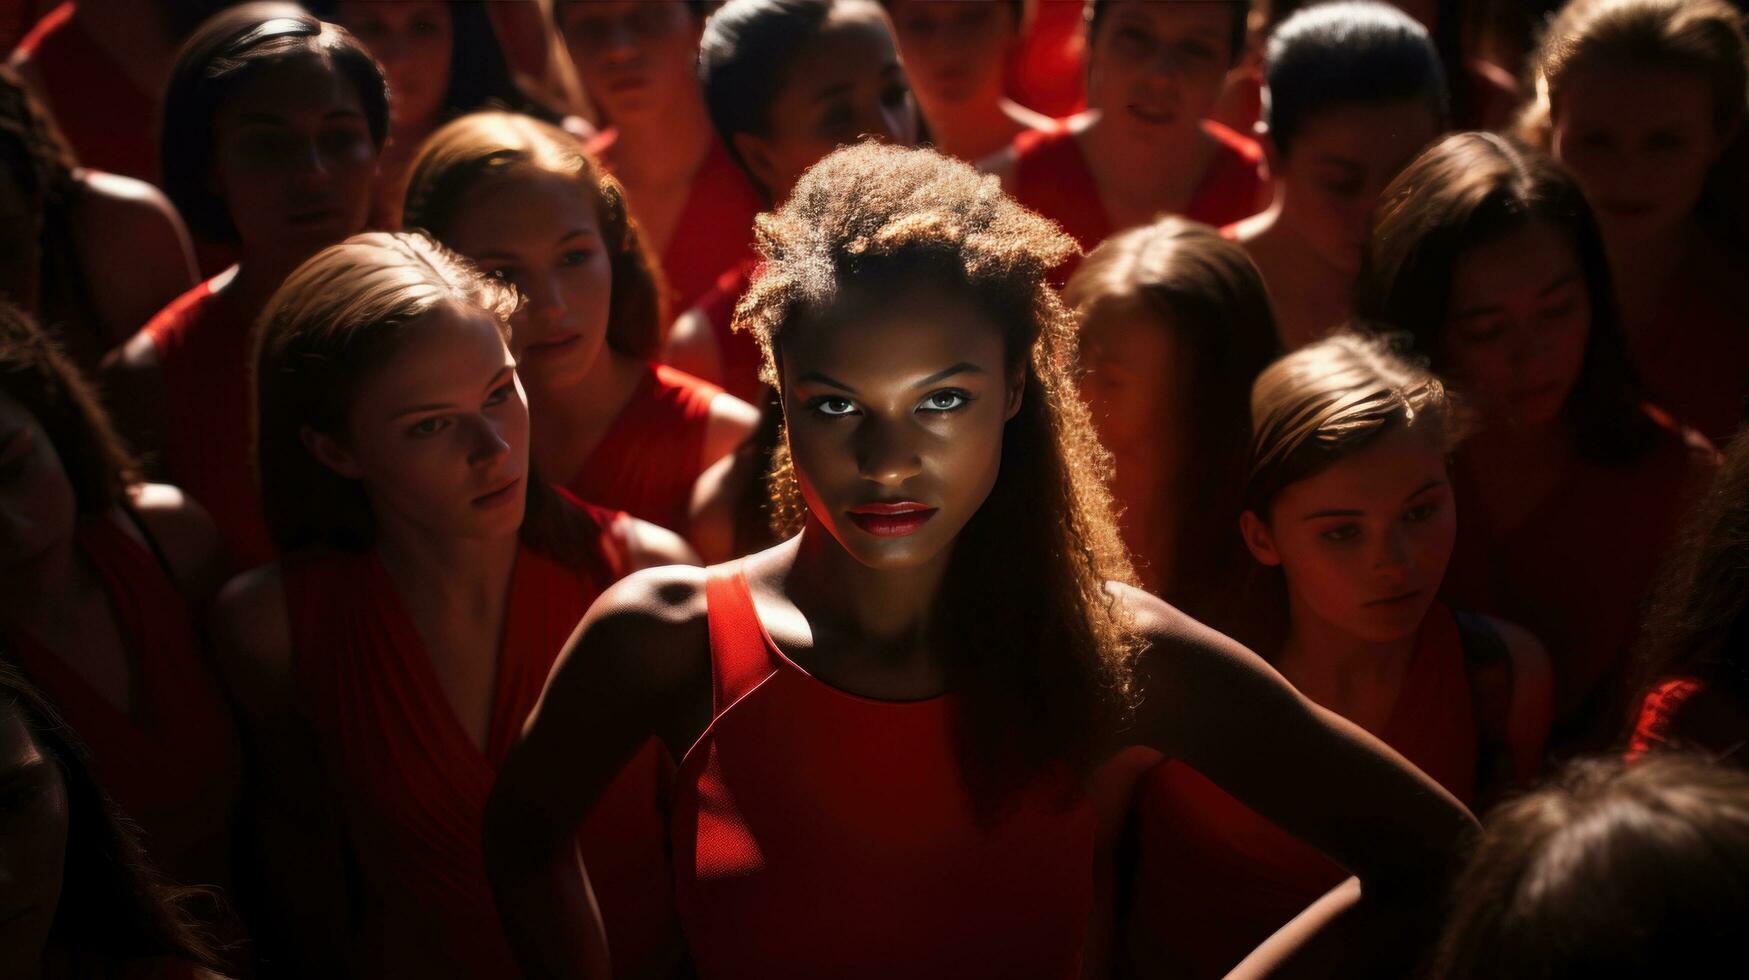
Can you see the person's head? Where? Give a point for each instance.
(441, 57)
(786, 81)
(955, 53)
(72, 873)
(1157, 68)
(1175, 326)
(520, 199)
(1487, 254)
(1354, 90)
(270, 130)
(59, 456)
(1639, 98)
(1698, 623)
(1346, 490)
(637, 59)
(924, 361)
(36, 175)
(1609, 873)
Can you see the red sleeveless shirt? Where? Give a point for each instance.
(816, 833)
(649, 459)
(172, 763)
(107, 119)
(414, 784)
(204, 354)
(1213, 879)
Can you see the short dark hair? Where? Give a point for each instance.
(1097, 9)
(227, 50)
(1346, 53)
(744, 59)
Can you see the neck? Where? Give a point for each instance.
(1318, 655)
(972, 129)
(1143, 488)
(1643, 266)
(448, 572)
(565, 417)
(671, 145)
(1510, 442)
(1166, 167)
(889, 606)
(250, 283)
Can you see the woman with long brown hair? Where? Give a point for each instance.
(1571, 487)
(1641, 99)
(885, 723)
(82, 901)
(106, 580)
(385, 664)
(519, 198)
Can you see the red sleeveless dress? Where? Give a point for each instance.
(1695, 358)
(820, 834)
(648, 461)
(204, 354)
(715, 230)
(1692, 714)
(414, 785)
(1213, 879)
(1051, 177)
(737, 351)
(107, 119)
(172, 763)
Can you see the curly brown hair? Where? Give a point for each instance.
(1043, 689)
(484, 148)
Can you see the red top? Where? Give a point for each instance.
(1687, 713)
(172, 762)
(1051, 176)
(414, 784)
(649, 459)
(106, 117)
(1048, 70)
(816, 833)
(737, 351)
(715, 230)
(1214, 879)
(1576, 570)
(1694, 358)
(204, 354)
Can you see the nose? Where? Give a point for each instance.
(1391, 558)
(546, 300)
(887, 452)
(487, 446)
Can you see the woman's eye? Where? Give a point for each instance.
(425, 428)
(1344, 188)
(499, 395)
(1420, 512)
(945, 401)
(1342, 532)
(896, 96)
(577, 256)
(833, 407)
(502, 273)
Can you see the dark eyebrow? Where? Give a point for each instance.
(1558, 284)
(963, 367)
(1429, 485)
(1333, 513)
(22, 771)
(818, 378)
(891, 68)
(497, 379)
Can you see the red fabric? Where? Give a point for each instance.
(1690, 714)
(737, 351)
(173, 762)
(1695, 358)
(1576, 571)
(817, 833)
(1214, 879)
(648, 461)
(715, 230)
(108, 120)
(415, 785)
(1048, 71)
(1051, 176)
(204, 354)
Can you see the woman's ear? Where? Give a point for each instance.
(330, 453)
(1258, 539)
(1016, 394)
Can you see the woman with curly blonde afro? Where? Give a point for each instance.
(887, 725)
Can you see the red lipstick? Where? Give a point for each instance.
(891, 519)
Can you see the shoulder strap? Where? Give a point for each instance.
(152, 544)
(740, 656)
(1489, 665)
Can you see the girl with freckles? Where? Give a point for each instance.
(886, 722)
(1348, 497)
(385, 664)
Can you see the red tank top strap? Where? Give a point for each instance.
(740, 653)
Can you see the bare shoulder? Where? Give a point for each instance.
(731, 422)
(650, 628)
(252, 633)
(651, 546)
(1165, 630)
(1532, 681)
(692, 345)
(186, 533)
(137, 217)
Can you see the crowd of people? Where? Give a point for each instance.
(871, 488)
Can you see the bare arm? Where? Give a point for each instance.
(137, 251)
(135, 392)
(191, 543)
(638, 666)
(692, 347)
(294, 828)
(652, 546)
(1218, 707)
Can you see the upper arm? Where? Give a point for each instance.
(731, 422)
(134, 391)
(188, 537)
(652, 546)
(1221, 709)
(637, 667)
(1533, 698)
(692, 347)
(135, 247)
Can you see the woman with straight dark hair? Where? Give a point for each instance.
(105, 581)
(529, 207)
(82, 901)
(385, 664)
(271, 128)
(1487, 254)
(886, 724)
